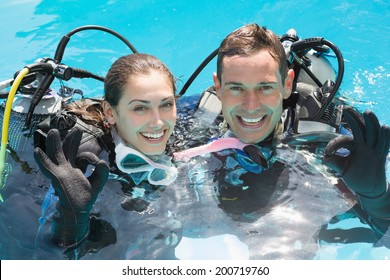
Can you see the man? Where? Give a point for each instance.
(251, 82)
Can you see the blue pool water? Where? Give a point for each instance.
(182, 34)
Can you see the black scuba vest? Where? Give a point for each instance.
(93, 139)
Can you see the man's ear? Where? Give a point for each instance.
(217, 85)
(109, 112)
(288, 83)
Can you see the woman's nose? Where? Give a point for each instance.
(156, 121)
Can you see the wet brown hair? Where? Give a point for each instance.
(131, 65)
(249, 40)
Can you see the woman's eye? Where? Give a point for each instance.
(140, 108)
(167, 105)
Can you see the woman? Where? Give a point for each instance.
(139, 114)
(140, 102)
(141, 117)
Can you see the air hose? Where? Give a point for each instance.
(6, 119)
(197, 71)
(65, 39)
(57, 69)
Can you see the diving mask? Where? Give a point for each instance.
(130, 161)
(251, 157)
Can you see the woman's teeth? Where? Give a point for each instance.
(155, 135)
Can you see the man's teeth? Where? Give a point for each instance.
(153, 135)
(252, 121)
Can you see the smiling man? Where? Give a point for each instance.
(252, 80)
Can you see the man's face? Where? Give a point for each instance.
(252, 91)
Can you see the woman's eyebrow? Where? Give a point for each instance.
(139, 100)
(147, 101)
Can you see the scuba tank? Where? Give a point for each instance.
(315, 83)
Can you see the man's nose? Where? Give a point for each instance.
(252, 101)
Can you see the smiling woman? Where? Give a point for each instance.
(144, 115)
(140, 112)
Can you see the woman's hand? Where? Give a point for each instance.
(76, 192)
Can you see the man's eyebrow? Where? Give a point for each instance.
(242, 84)
(234, 84)
(267, 83)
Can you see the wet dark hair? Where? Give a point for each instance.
(249, 40)
(131, 65)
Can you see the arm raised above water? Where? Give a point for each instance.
(363, 169)
(76, 192)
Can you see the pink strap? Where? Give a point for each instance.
(215, 146)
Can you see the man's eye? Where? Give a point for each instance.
(236, 88)
(266, 89)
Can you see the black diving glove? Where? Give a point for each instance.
(75, 191)
(364, 169)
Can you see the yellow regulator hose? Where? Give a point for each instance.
(4, 131)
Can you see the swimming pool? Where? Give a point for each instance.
(194, 213)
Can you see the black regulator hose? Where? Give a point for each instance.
(197, 71)
(42, 67)
(65, 39)
(315, 42)
(81, 73)
(63, 72)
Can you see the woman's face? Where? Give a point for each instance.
(146, 113)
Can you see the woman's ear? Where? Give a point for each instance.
(109, 113)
